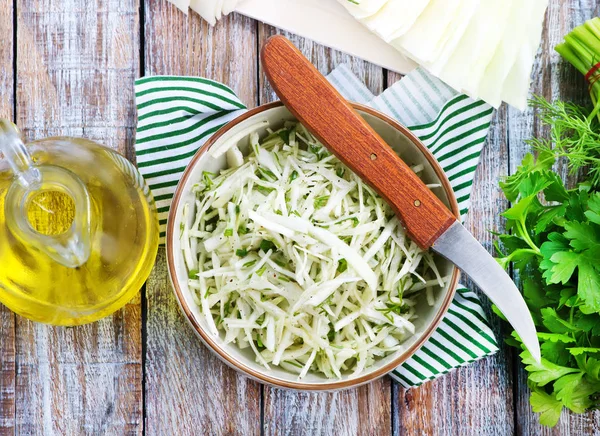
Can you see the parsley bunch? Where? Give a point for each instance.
(554, 244)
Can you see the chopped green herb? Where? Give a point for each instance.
(228, 232)
(266, 245)
(321, 201)
(293, 176)
(241, 252)
(285, 135)
(264, 190)
(279, 262)
(207, 177)
(267, 175)
(331, 334)
(193, 274)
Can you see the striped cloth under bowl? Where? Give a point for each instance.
(177, 115)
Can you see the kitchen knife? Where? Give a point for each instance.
(323, 111)
(327, 22)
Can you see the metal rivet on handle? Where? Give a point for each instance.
(417, 203)
(373, 156)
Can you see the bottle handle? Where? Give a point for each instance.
(71, 248)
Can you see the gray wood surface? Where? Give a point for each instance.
(143, 370)
(7, 319)
(76, 63)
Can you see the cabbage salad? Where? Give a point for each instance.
(294, 256)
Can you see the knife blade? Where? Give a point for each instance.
(328, 23)
(428, 222)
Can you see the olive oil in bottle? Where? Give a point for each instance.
(78, 229)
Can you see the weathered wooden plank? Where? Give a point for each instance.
(362, 411)
(6, 59)
(476, 399)
(324, 59)
(553, 79)
(7, 318)
(76, 65)
(366, 410)
(187, 45)
(7, 371)
(188, 390)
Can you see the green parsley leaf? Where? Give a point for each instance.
(593, 214)
(574, 392)
(554, 337)
(577, 351)
(588, 286)
(556, 352)
(544, 372)
(565, 263)
(529, 165)
(554, 323)
(547, 406)
(549, 216)
(592, 368)
(582, 236)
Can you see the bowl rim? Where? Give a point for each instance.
(264, 377)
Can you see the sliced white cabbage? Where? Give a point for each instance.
(496, 32)
(184, 5)
(507, 53)
(435, 29)
(210, 10)
(305, 284)
(476, 46)
(395, 18)
(363, 8)
(516, 85)
(229, 6)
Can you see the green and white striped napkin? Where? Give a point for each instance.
(177, 115)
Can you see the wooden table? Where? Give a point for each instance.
(67, 67)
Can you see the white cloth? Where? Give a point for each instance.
(210, 10)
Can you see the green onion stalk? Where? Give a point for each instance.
(581, 48)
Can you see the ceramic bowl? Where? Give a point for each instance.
(407, 146)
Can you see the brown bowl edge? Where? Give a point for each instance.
(334, 385)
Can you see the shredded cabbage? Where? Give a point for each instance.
(292, 255)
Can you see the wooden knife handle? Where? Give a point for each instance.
(324, 112)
